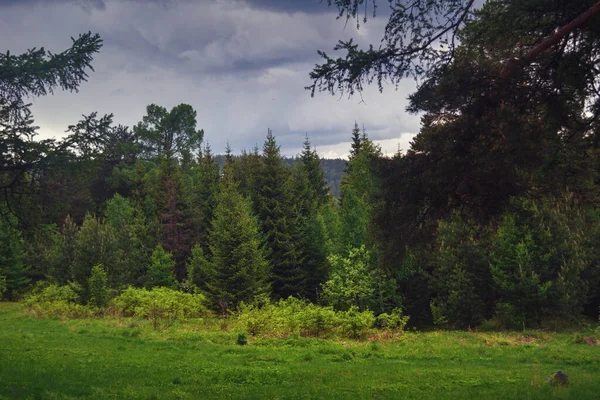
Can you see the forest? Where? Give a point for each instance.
(490, 218)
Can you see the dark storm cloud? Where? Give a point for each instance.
(307, 6)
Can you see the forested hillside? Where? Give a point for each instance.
(490, 217)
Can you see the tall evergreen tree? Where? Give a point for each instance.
(238, 270)
(278, 218)
(201, 190)
(310, 196)
(356, 140)
(318, 192)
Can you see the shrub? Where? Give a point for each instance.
(293, 316)
(161, 305)
(355, 323)
(396, 321)
(351, 281)
(54, 301)
(242, 339)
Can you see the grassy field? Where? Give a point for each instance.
(108, 359)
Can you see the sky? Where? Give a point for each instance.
(242, 65)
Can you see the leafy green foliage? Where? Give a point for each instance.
(395, 321)
(169, 133)
(162, 305)
(351, 282)
(54, 301)
(294, 316)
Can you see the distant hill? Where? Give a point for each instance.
(333, 169)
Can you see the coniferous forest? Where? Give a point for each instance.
(490, 217)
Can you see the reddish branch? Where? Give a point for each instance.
(577, 23)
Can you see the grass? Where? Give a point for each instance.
(108, 359)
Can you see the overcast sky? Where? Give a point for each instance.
(242, 65)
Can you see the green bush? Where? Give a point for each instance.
(354, 323)
(293, 316)
(54, 301)
(396, 321)
(44, 292)
(162, 305)
(242, 339)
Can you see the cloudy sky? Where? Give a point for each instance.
(242, 64)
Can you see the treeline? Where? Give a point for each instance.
(152, 207)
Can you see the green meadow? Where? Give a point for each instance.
(125, 358)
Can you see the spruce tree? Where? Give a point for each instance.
(238, 270)
(198, 270)
(317, 193)
(160, 271)
(356, 140)
(310, 195)
(279, 220)
(201, 190)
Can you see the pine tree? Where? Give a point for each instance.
(238, 270)
(279, 220)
